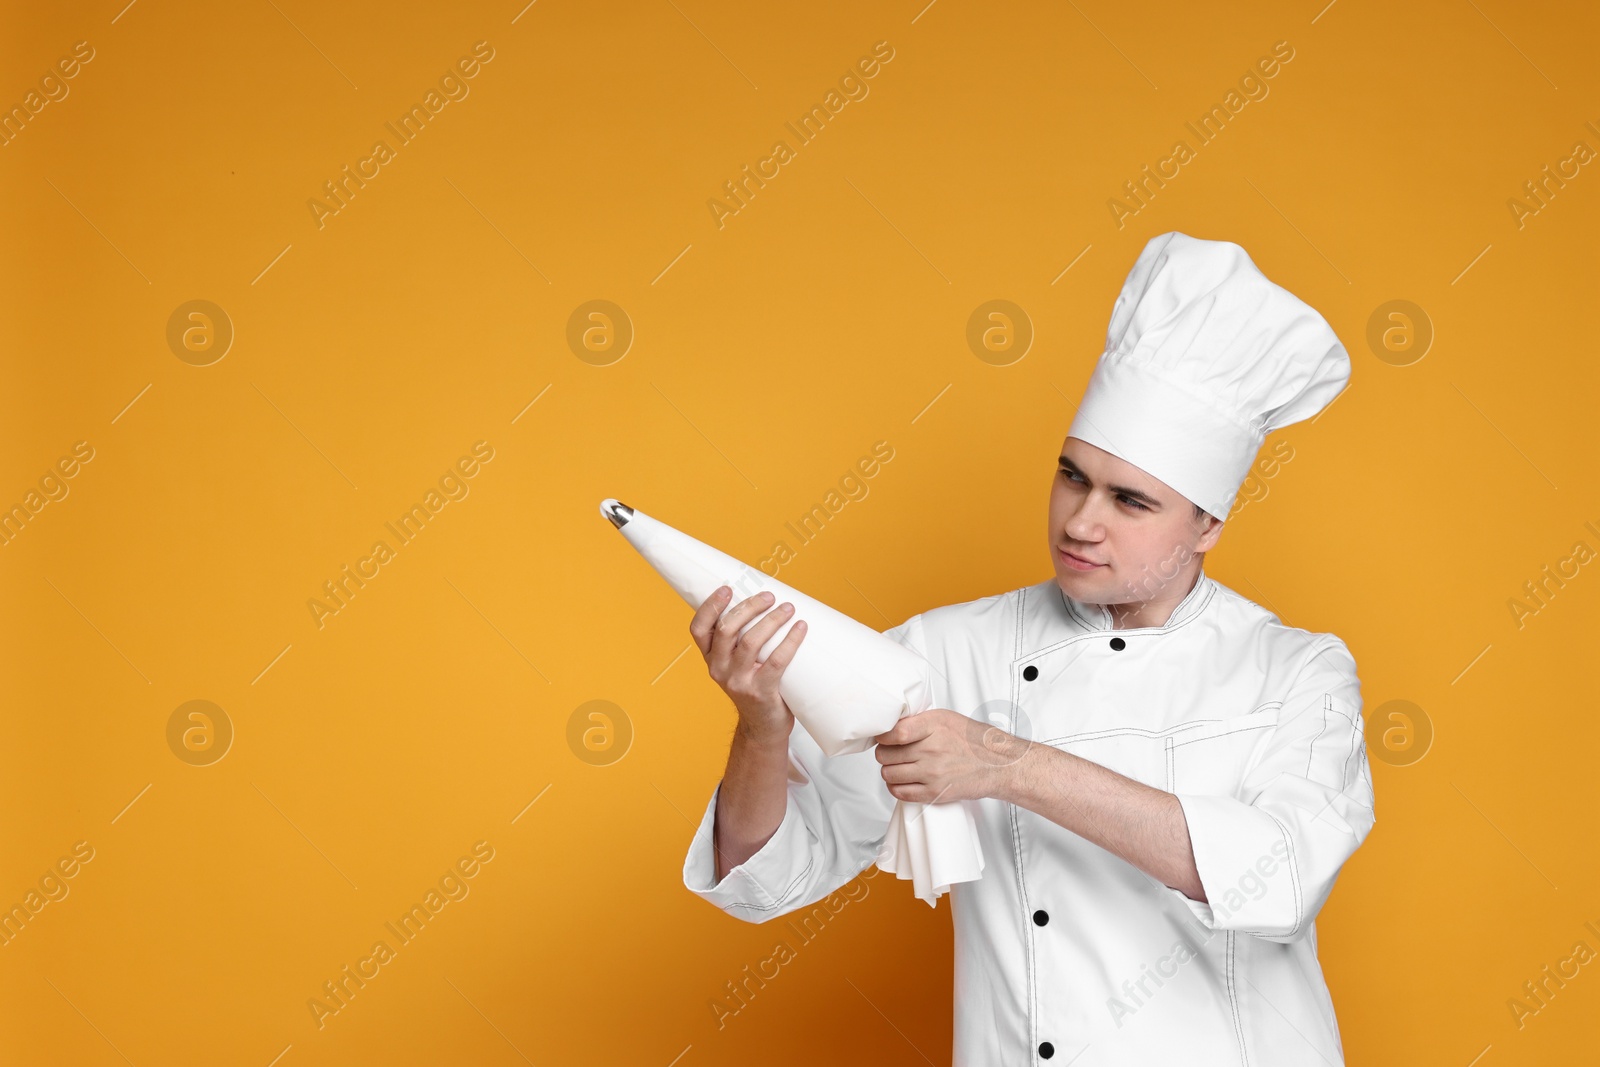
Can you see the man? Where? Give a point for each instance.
(1167, 778)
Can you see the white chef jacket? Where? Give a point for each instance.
(1063, 950)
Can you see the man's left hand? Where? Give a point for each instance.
(940, 756)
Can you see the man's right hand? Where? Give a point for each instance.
(731, 660)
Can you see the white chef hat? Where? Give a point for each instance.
(1204, 357)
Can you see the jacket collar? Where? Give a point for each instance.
(1098, 616)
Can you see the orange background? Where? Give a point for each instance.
(371, 753)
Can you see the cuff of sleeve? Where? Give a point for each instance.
(1239, 853)
(756, 889)
(1198, 908)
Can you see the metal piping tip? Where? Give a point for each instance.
(615, 510)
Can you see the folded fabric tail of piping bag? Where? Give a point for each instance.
(846, 684)
(934, 845)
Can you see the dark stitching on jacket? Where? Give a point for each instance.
(778, 903)
(1352, 764)
(1016, 834)
(1233, 1001)
(1123, 731)
(1327, 699)
(1344, 766)
(1227, 733)
(1066, 602)
(1199, 608)
(1294, 875)
(1346, 777)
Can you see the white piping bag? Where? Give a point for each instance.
(846, 684)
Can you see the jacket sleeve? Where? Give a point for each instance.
(1269, 854)
(836, 818)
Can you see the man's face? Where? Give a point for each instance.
(1141, 532)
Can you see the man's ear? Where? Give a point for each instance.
(1210, 535)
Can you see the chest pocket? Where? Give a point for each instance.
(1210, 758)
(1132, 753)
(1206, 757)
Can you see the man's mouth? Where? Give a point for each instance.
(1077, 563)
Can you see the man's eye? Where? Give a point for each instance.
(1073, 475)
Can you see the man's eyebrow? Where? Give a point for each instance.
(1124, 490)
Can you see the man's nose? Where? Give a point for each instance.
(1084, 524)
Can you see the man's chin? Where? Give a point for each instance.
(1084, 585)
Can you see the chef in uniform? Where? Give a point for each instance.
(1167, 777)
